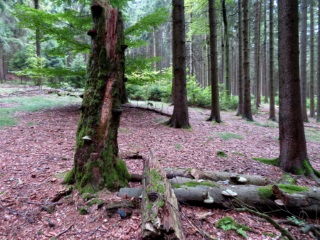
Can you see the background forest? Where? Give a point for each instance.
(46, 42)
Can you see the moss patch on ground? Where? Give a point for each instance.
(269, 161)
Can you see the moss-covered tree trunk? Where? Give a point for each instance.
(96, 163)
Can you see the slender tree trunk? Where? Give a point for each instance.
(1, 64)
(265, 82)
(227, 48)
(293, 150)
(215, 112)
(246, 62)
(96, 162)
(318, 79)
(272, 113)
(191, 67)
(240, 61)
(303, 60)
(257, 53)
(312, 112)
(180, 116)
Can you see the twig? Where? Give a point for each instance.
(93, 232)
(63, 232)
(270, 220)
(48, 203)
(29, 220)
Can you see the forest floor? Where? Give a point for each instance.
(36, 153)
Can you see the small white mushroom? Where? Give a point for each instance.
(242, 180)
(209, 199)
(279, 202)
(200, 181)
(87, 138)
(229, 193)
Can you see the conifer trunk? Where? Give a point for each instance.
(318, 79)
(96, 163)
(312, 108)
(272, 113)
(240, 64)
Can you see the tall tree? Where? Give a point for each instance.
(293, 150)
(272, 111)
(257, 52)
(247, 114)
(265, 82)
(38, 43)
(226, 48)
(180, 116)
(318, 78)
(303, 60)
(96, 162)
(215, 112)
(240, 63)
(312, 113)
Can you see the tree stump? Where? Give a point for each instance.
(96, 163)
(161, 216)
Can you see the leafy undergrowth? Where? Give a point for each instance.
(37, 153)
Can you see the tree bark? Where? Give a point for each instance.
(246, 62)
(318, 78)
(180, 116)
(96, 163)
(303, 60)
(265, 82)
(227, 49)
(215, 111)
(161, 217)
(240, 63)
(293, 150)
(312, 112)
(257, 52)
(272, 111)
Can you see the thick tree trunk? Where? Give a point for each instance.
(247, 114)
(312, 30)
(272, 111)
(293, 150)
(318, 78)
(266, 198)
(215, 111)
(240, 63)
(180, 116)
(161, 217)
(303, 60)
(96, 162)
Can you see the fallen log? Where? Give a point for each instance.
(160, 213)
(231, 178)
(289, 199)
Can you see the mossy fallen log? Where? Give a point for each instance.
(289, 199)
(160, 213)
(193, 173)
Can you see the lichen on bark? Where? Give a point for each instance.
(96, 162)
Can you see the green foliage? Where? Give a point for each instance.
(299, 222)
(269, 161)
(228, 223)
(229, 135)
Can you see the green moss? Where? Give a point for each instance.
(265, 192)
(194, 184)
(83, 211)
(292, 188)
(221, 154)
(269, 234)
(156, 180)
(94, 201)
(269, 161)
(69, 177)
(288, 179)
(228, 135)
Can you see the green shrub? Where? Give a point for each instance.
(135, 92)
(155, 93)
